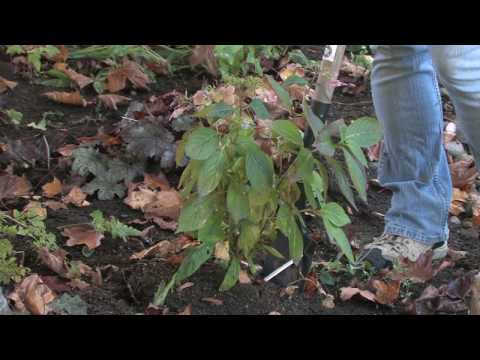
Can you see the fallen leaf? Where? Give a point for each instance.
(166, 204)
(36, 208)
(185, 286)
(186, 311)
(463, 174)
(418, 271)
(62, 56)
(56, 284)
(32, 294)
(164, 224)
(162, 248)
(12, 186)
(213, 301)
(84, 234)
(116, 79)
(55, 205)
(67, 98)
(222, 251)
(311, 285)
(204, 55)
(328, 302)
(475, 299)
(159, 181)
(78, 284)
(67, 150)
(346, 293)
(6, 85)
(157, 106)
(76, 197)
(112, 100)
(79, 79)
(243, 277)
(53, 188)
(55, 260)
(386, 292)
(139, 196)
(456, 255)
(200, 98)
(176, 259)
(183, 241)
(289, 291)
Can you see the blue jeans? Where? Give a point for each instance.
(407, 102)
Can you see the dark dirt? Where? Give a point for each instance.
(130, 289)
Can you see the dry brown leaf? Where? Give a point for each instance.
(84, 234)
(159, 181)
(166, 204)
(475, 299)
(290, 70)
(213, 301)
(67, 150)
(463, 174)
(162, 248)
(328, 302)
(112, 100)
(76, 197)
(37, 208)
(456, 255)
(386, 292)
(32, 294)
(311, 285)
(186, 311)
(6, 85)
(78, 284)
(117, 78)
(62, 56)
(55, 261)
(56, 284)
(184, 241)
(203, 54)
(79, 79)
(12, 186)
(53, 188)
(346, 293)
(456, 208)
(67, 98)
(222, 251)
(164, 224)
(55, 205)
(139, 196)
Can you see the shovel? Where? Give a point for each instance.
(321, 102)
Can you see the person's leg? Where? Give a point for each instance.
(458, 67)
(413, 164)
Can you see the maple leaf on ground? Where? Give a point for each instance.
(63, 54)
(67, 98)
(76, 197)
(56, 284)
(36, 208)
(158, 181)
(6, 85)
(139, 196)
(33, 295)
(112, 100)
(67, 150)
(117, 78)
(148, 140)
(84, 234)
(167, 204)
(164, 224)
(79, 79)
(53, 188)
(386, 292)
(12, 186)
(55, 205)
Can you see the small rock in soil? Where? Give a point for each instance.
(455, 220)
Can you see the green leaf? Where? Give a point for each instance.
(272, 251)
(305, 163)
(195, 258)
(287, 224)
(295, 79)
(313, 120)
(335, 214)
(357, 175)
(202, 143)
(249, 236)
(162, 291)
(231, 277)
(195, 213)
(15, 116)
(221, 111)
(281, 92)
(260, 109)
(122, 231)
(342, 181)
(259, 169)
(316, 184)
(337, 235)
(189, 177)
(211, 173)
(287, 130)
(212, 232)
(357, 152)
(365, 132)
(106, 186)
(237, 202)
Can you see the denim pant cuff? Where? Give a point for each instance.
(393, 229)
